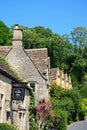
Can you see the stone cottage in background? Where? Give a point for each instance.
(60, 78)
(33, 65)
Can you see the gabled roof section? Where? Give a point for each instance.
(5, 70)
(32, 60)
(53, 74)
(4, 50)
(40, 57)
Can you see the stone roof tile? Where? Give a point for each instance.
(4, 50)
(40, 57)
(53, 74)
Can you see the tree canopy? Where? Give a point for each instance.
(5, 34)
(68, 52)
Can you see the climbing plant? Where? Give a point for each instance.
(32, 112)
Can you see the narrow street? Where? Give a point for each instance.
(81, 125)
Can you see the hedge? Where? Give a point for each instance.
(5, 126)
(62, 124)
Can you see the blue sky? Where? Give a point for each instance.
(61, 16)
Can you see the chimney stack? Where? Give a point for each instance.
(17, 36)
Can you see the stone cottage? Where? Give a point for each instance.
(12, 111)
(60, 78)
(32, 65)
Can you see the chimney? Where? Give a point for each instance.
(17, 36)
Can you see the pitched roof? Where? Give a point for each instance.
(53, 73)
(4, 69)
(40, 57)
(4, 50)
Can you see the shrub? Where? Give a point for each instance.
(61, 122)
(5, 126)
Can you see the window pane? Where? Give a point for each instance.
(32, 85)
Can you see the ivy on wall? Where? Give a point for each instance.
(32, 112)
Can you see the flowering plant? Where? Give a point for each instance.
(44, 111)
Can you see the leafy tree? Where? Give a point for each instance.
(84, 105)
(43, 32)
(79, 36)
(79, 68)
(66, 38)
(83, 87)
(5, 34)
(67, 100)
(68, 53)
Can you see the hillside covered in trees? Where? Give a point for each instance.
(68, 52)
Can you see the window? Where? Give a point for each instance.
(7, 116)
(1, 107)
(20, 116)
(44, 73)
(24, 116)
(1, 98)
(32, 85)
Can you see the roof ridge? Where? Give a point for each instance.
(36, 49)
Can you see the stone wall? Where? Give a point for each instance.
(60, 78)
(10, 110)
(5, 92)
(27, 69)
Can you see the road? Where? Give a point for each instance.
(81, 125)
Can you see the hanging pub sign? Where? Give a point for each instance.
(18, 91)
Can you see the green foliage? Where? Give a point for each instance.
(36, 37)
(40, 37)
(79, 68)
(82, 109)
(5, 34)
(68, 100)
(79, 36)
(83, 92)
(83, 87)
(4, 126)
(32, 112)
(2, 59)
(61, 123)
(76, 67)
(68, 53)
(67, 56)
(84, 105)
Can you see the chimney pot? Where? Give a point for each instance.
(16, 26)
